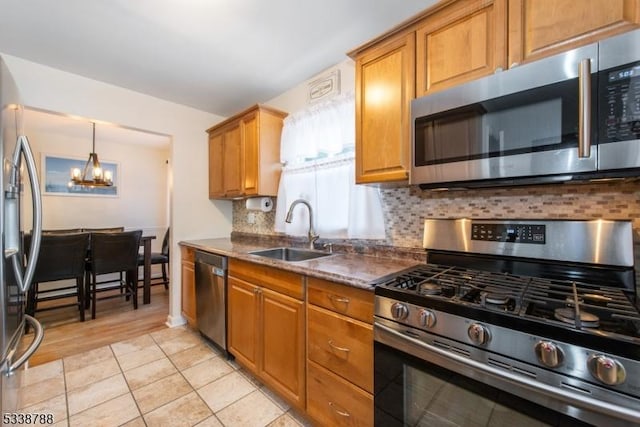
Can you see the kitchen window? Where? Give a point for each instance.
(318, 154)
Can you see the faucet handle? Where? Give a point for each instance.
(329, 247)
(312, 238)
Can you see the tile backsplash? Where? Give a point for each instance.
(406, 208)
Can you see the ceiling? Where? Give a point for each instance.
(79, 128)
(219, 56)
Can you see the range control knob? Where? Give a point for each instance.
(549, 354)
(427, 318)
(399, 311)
(606, 369)
(478, 334)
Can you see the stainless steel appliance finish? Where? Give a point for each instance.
(567, 117)
(560, 331)
(594, 242)
(619, 145)
(15, 279)
(211, 297)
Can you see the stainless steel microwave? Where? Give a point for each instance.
(572, 116)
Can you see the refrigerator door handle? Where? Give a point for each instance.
(12, 222)
(38, 334)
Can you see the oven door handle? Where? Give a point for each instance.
(390, 336)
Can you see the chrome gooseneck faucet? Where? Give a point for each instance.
(312, 234)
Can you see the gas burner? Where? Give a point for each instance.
(494, 298)
(430, 288)
(568, 315)
(438, 287)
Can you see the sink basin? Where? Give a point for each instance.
(290, 254)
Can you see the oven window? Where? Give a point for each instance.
(412, 392)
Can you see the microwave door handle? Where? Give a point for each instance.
(584, 106)
(12, 243)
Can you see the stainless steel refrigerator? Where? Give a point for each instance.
(18, 171)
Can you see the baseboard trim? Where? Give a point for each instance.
(173, 321)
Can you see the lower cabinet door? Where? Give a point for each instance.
(282, 330)
(332, 401)
(242, 320)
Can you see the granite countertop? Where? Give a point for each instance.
(362, 271)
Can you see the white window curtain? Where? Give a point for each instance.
(317, 148)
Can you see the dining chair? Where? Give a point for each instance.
(162, 258)
(88, 262)
(114, 253)
(61, 257)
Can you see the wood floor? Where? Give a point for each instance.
(116, 320)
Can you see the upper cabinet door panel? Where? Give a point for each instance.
(539, 28)
(249, 126)
(385, 86)
(459, 43)
(216, 165)
(233, 162)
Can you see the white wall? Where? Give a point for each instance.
(193, 215)
(142, 197)
(295, 99)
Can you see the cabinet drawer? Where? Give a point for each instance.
(342, 345)
(282, 281)
(332, 401)
(347, 300)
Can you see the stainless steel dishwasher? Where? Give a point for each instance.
(211, 297)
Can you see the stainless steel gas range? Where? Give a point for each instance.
(511, 323)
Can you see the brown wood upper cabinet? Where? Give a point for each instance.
(539, 28)
(454, 42)
(459, 43)
(244, 154)
(385, 86)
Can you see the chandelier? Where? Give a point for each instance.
(92, 175)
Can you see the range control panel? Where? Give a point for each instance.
(516, 233)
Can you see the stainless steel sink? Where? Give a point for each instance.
(290, 254)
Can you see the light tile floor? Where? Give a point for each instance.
(171, 377)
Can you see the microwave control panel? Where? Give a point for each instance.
(515, 233)
(620, 104)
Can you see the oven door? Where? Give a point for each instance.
(532, 121)
(419, 384)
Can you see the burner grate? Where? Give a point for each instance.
(433, 280)
(599, 308)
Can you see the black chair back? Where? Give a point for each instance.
(115, 252)
(104, 230)
(62, 256)
(165, 243)
(63, 231)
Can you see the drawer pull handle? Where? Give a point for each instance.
(338, 411)
(332, 345)
(335, 298)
